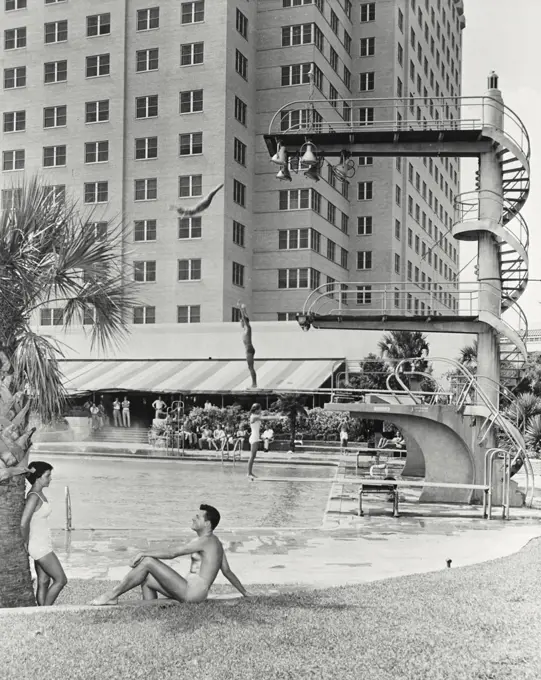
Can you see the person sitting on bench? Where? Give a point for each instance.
(267, 438)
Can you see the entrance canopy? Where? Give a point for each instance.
(198, 376)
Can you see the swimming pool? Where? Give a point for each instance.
(128, 493)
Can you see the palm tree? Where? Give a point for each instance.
(468, 356)
(399, 345)
(49, 256)
(292, 406)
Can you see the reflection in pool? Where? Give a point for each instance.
(149, 494)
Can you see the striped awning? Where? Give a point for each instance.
(196, 376)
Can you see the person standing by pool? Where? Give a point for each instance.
(126, 421)
(116, 413)
(255, 427)
(208, 558)
(37, 535)
(159, 407)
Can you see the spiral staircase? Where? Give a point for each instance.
(488, 126)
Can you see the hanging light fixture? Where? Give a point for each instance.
(280, 157)
(313, 172)
(346, 168)
(309, 156)
(284, 173)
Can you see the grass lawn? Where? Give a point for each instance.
(477, 623)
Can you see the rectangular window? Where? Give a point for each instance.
(98, 65)
(293, 239)
(364, 226)
(238, 274)
(239, 151)
(146, 107)
(11, 5)
(191, 54)
(238, 233)
(14, 77)
(191, 101)
(344, 225)
(144, 315)
(409, 271)
(240, 111)
(190, 144)
(241, 64)
(366, 81)
(334, 23)
(364, 191)
(331, 212)
(57, 192)
(98, 24)
(144, 230)
(301, 34)
(366, 116)
(146, 189)
(189, 270)
(190, 185)
(241, 23)
(13, 160)
(146, 60)
(148, 19)
(397, 263)
(54, 156)
(364, 295)
(11, 198)
(55, 71)
(368, 11)
(333, 59)
(298, 278)
(364, 259)
(366, 160)
(296, 74)
(190, 228)
(145, 271)
(50, 316)
(331, 250)
(14, 121)
(367, 47)
(96, 152)
(146, 148)
(96, 192)
(239, 193)
(189, 314)
(56, 31)
(99, 229)
(55, 116)
(97, 112)
(398, 195)
(15, 38)
(192, 12)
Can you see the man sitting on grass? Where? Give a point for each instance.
(154, 577)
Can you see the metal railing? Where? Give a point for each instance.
(391, 114)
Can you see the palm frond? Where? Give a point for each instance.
(36, 371)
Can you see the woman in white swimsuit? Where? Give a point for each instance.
(37, 535)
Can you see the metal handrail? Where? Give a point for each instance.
(512, 121)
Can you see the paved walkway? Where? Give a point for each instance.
(344, 549)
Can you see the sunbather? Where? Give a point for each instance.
(208, 558)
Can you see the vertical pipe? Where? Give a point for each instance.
(68, 508)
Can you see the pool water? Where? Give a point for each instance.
(148, 494)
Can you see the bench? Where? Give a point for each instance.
(380, 486)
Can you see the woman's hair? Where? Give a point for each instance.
(255, 407)
(37, 469)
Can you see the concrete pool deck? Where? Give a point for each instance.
(343, 549)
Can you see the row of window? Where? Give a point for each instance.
(190, 101)
(54, 316)
(100, 24)
(304, 239)
(310, 199)
(189, 186)
(146, 148)
(99, 65)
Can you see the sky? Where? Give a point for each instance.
(503, 35)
